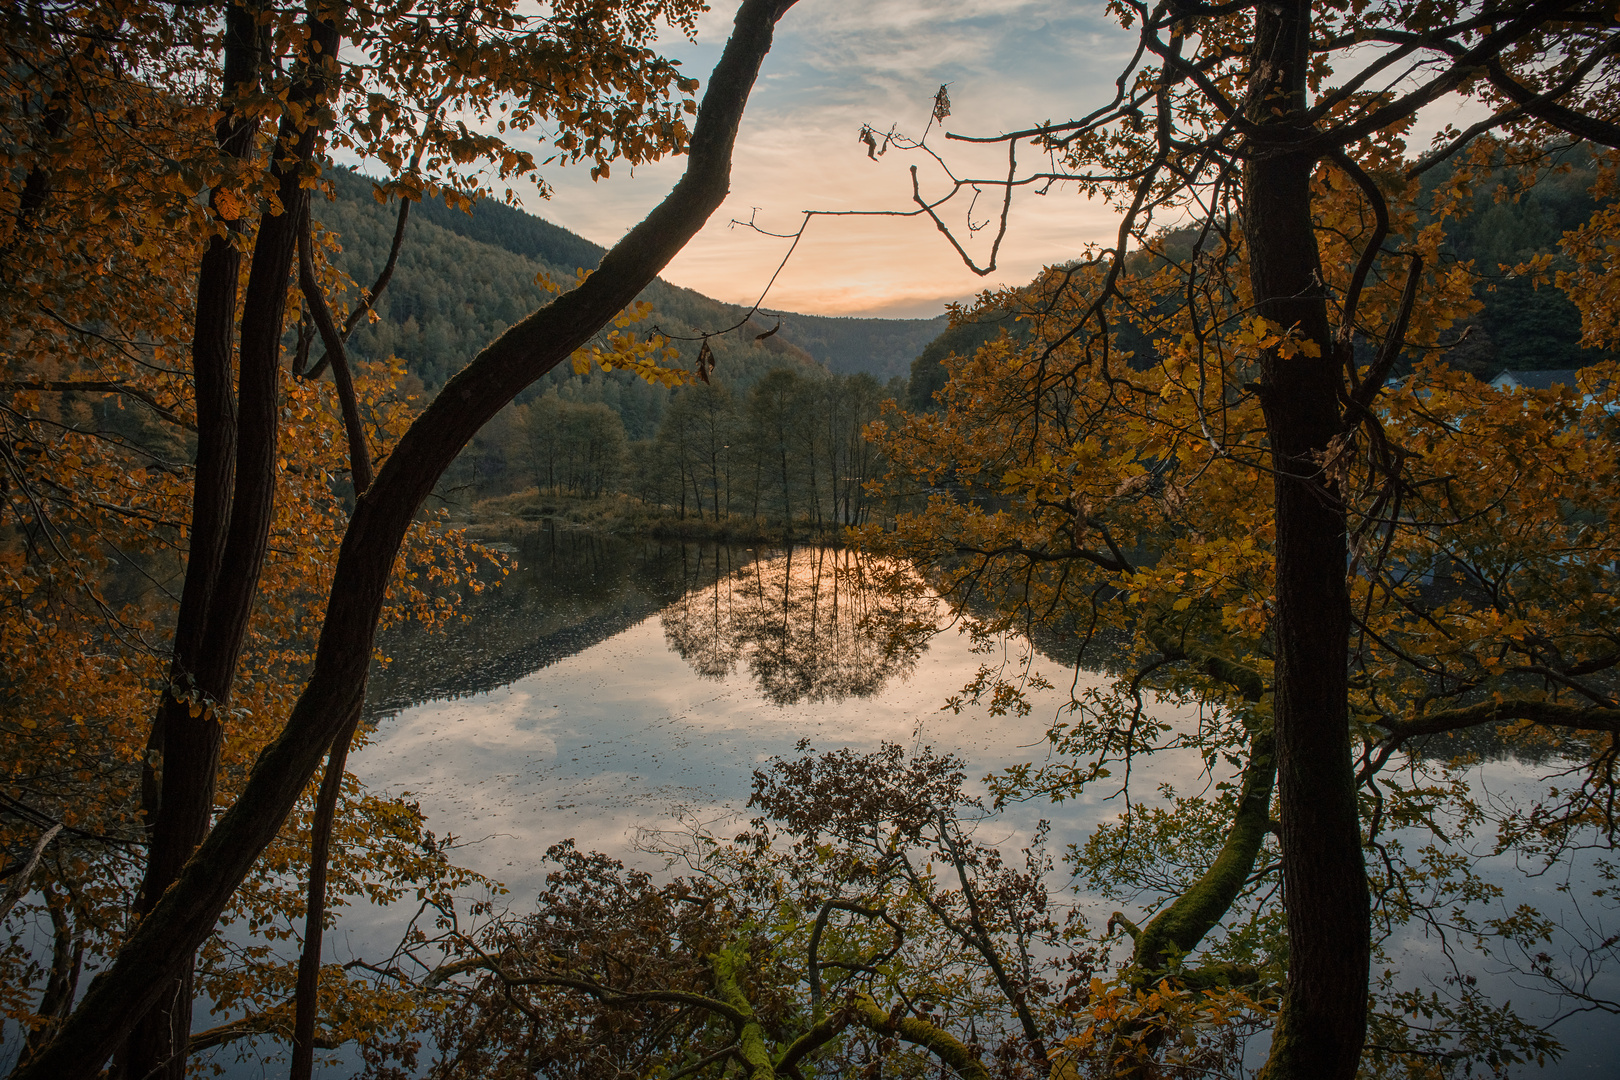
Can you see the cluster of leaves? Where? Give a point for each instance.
(117, 183)
(855, 928)
(1119, 510)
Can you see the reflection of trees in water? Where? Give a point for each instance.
(814, 624)
(567, 590)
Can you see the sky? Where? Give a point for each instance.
(835, 67)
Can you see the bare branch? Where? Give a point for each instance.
(101, 386)
(1369, 254)
(315, 301)
(1394, 341)
(19, 884)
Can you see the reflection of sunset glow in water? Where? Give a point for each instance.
(813, 624)
(620, 689)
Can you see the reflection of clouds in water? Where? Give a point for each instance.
(679, 711)
(809, 625)
(670, 717)
(617, 736)
(468, 722)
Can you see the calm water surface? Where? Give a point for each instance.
(609, 687)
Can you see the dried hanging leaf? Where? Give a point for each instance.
(870, 140)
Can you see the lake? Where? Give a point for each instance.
(610, 687)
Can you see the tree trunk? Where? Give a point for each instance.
(207, 652)
(186, 746)
(1324, 1010)
(787, 500)
(160, 947)
(306, 997)
(67, 961)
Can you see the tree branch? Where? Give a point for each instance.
(942, 1044)
(981, 941)
(306, 996)
(1006, 207)
(1536, 710)
(824, 1030)
(1118, 566)
(19, 885)
(370, 300)
(1394, 341)
(1179, 928)
(1466, 63)
(1369, 254)
(1543, 107)
(265, 1023)
(101, 386)
(750, 1036)
(315, 301)
(184, 916)
(384, 276)
(814, 965)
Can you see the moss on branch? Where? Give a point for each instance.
(1179, 928)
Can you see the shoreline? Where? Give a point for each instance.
(505, 516)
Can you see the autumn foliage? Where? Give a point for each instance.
(139, 143)
(1119, 506)
(1230, 455)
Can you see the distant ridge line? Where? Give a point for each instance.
(845, 344)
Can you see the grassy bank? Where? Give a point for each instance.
(622, 515)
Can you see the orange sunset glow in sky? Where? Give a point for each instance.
(834, 68)
(837, 66)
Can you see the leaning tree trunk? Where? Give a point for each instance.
(160, 947)
(306, 996)
(1324, 1009)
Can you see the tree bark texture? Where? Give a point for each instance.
(242, 471)
(160, 947)
(186, 747)
(1323, 1020)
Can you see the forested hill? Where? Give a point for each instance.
(464, 277)
(882, 348)
(1519, 326)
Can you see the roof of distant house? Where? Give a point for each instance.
(1534, 380)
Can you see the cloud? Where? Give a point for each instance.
(1008, 63)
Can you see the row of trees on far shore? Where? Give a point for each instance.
(789, 448)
